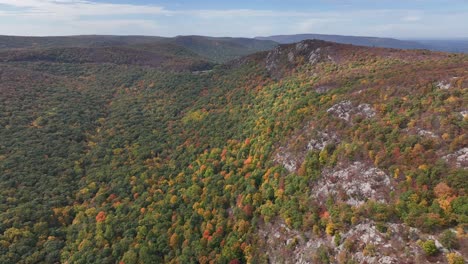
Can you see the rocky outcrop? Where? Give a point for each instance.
(395, 243)
(309, 52)
(322, 139)
(464, 113)
(458, 158)
(293, 153)
(353, 184)
(285, 245)
(346, 111)
(444, 85)
(426, 133)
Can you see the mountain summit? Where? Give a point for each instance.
(355, 40)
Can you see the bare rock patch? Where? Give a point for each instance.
(358, 182)
(458, 158)
(345, 110)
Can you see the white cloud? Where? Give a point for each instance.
(76, 8)
(411, 18)
(243, 13)
(70, 17)
(433, 26)
(317, 24)
(89, 27)
(89, 8)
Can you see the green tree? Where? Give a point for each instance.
(449, 239)
(429, 247)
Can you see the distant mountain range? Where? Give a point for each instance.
(359, 41)
(217, 50)
(454, 45)
(181, 52)
(436, 45)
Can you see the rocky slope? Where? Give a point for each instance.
(357, 180)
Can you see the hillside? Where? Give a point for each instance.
(355, 40)
(223, 49)
(152, 55)
(313, 152)
(18, 42)
(217, 50)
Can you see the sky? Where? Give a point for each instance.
(404, 19)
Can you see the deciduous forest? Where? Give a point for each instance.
(158, 153)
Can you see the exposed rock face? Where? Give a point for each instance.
(444, 85)
(342, 110)
(293, 154)
(388, 249)
(323, 89)
(421, 132)
(302, 46)
(426, 133)
(284, 245)
(321, 141)
(447, 84)
(464, 113)
(397, 245)
(459, 158)
(366, 110)
(315, 56)
(345, 110)
(290, 161)
(289, 56)
(354, 184)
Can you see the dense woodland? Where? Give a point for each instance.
(117, 161)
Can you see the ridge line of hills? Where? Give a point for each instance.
(182, 53)
(354, 40)
(458, 45)
(214, 49)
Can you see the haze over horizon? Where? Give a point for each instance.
(414, 19)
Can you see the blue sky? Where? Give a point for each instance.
(406, 19)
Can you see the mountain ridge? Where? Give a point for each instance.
(217, 50)
(457, 46)
(355, 40)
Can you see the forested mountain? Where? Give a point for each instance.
(18, 42)
(314, 152)
(223, 49)
(355, 40)
(159, 55)
(212, 49)
(446, 45)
